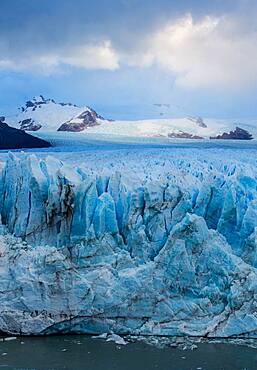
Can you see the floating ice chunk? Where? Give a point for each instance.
(7, 339)
(101, 336)
(117, 339)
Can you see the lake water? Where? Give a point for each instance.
(82, 352)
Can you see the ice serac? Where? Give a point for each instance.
(100, 254)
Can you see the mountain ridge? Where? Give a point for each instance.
(44, 114)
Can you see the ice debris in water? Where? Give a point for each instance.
(117, 339)
(111, 338)
(101, 336)
(7, 339)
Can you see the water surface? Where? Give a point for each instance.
(83, 352)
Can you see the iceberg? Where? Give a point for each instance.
(85, 253)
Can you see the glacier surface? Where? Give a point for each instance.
(163, 244)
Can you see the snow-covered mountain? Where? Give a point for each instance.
(48, 115)
(185, 128)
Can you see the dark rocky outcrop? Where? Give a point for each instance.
(34, 103)
(12, 138)
(88, 118)
(29, 125)
(237, 134)
(198, 120)
(183, 135)
(37, 102)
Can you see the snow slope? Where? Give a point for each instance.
(147, 241)
(164, 127)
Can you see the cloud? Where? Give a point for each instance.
(98, 56)
(200, 44)
(211, 52)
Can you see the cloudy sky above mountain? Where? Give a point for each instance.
(124, 56)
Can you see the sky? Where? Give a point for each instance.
(125, 57)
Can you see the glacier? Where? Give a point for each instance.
(173, 252)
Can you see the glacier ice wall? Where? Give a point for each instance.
(90, 254)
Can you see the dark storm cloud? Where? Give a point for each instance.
(28, 27)
(58, 35)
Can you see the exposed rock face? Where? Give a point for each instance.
(38, 101)
(183, 135)
(93, 255)
(29, 125)
(237, 134)
(11, 138)
(88, 118)
(199, 121)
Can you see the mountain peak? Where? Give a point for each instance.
(39, 99)
(85, 119)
